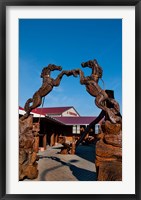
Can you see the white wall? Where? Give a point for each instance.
(70, 112)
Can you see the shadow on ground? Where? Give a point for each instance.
(86, 152)
(83, 174)
(79, 173)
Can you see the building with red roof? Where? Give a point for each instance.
(81, 120)
(58, 122)
(34, 112)
(58, 111)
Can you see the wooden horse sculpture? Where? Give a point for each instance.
(92, 87)
(46, 88)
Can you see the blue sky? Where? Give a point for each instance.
(68, 43)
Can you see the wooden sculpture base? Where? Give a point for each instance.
(109, 153)
(27, 154)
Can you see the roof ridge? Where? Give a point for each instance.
(74, 116)
(56, 107)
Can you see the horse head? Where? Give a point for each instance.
(91, 64)
(47, 70)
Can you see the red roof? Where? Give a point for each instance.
(33, 111)
(75, 120)
(84, 120)
(52, 110)
(21, 108)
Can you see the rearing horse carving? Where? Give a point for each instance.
(46, 88)
(92, 87)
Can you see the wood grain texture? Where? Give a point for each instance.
(109, 153)
(27, 149)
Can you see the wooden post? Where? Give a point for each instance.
(52, 140)
(73, 145)
(56, 138)
(44, 141)
(109, 148)
(28, 167)
(36, 129)
(36, 144)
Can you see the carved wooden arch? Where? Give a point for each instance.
(27, 156)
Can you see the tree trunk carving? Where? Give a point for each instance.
(27, 154)
(109, 153)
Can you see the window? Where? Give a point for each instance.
(97, 128)
(76, 129)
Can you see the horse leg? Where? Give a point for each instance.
(73, 72)
(115, 104)
(83, 79)
(37, 100)
(57, 81)
(100, 100)
(26, 107)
